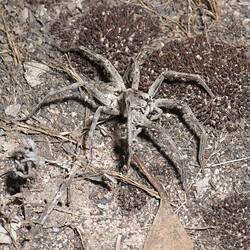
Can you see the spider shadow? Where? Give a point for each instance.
(162, 152)
(188, 126)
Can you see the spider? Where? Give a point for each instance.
(141, 110)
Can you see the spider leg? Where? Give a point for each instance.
(97, 114)
(168, 147)
(90, 136)
(191, 121)
(79, 83)
(100, 60)
(178, 76)
(55, 92)
(132, 133)
(132, 73)
(135, 72)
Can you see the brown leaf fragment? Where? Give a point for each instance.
(167, 232)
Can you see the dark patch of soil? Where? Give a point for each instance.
(230, 218)
(131, 199)
(117, 32)
(225, 69)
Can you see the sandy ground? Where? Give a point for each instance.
(40, 156)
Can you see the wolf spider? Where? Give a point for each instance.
(140, 109)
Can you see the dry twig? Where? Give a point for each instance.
(232, 161)
(24, 127)
(134, 183)
(80, 232)
(165, 18)
(62, 189)
(15, 52)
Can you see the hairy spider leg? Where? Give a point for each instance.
(100, 60)
(131, 133)
(89, 140)
(180, 77)
(73, 86)
(186, 78)
(132, 72)
(191, 121)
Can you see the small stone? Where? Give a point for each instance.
(13, 110)
(33, 71)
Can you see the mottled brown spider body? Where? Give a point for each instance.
(140, 109)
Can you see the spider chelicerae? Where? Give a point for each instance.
(141, 110)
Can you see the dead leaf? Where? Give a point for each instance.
(167, 232)
(4, 236)
(8, 236)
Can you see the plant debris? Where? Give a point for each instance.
(166, 233)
